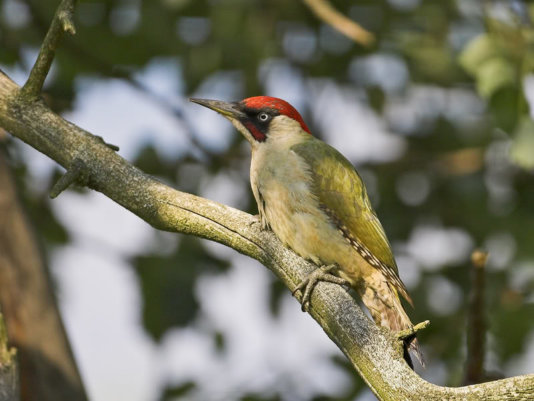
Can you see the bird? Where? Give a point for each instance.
(316, 203)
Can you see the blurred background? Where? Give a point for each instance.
(436, 115)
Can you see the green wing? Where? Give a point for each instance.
(342, 194)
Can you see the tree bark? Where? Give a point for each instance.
(47, 368)
(374, 353)
(9, 377)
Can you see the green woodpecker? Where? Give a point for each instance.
(316, 203)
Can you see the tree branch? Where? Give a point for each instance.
(9, 378)
(61, 23)
(373, 352)
(47, 369)
(73, 174)
(324, 10)
(476, 322)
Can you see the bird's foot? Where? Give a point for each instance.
(307, 285)
(258, 219)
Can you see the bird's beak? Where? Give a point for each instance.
(227, 109)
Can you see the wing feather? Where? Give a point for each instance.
(343, 197)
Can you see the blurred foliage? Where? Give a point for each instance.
(477, 169)
(168, 284)
(37, 202)
(176, 392)
(522, 151)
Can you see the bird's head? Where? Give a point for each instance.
(260, 118)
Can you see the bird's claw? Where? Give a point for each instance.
(307, 285)
(255, 220)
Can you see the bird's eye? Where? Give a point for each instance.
(263, 117)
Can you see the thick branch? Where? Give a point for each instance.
(47, 367)
(371, 350)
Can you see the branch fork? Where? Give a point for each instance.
(62, 22)
(76, 173)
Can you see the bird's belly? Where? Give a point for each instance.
(296, 219)
(293, 212)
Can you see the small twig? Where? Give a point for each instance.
(62, 22)
(476, 325)
(479, 259)
(338, 21)
(114, 148)
(406, 334)
(75, 173)
(104, 67)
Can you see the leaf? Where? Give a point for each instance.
(505, 107)
(480, 49)
(177, 392)
(511, 322)
(277, 293)
(522, 150)
(168, 285)
(494, 74)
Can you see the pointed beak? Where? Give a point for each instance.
(227, 109)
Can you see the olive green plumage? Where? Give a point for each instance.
(341, 191)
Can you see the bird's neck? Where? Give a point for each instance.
(283, 134)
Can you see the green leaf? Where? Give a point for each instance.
(504, 106)
(511, 322)
(477, 51)
(177, 392)
(168, 285)
(494, 74)
(522, 150)
(277, 293)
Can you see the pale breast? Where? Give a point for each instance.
(280, 184)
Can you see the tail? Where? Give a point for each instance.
(382, 301)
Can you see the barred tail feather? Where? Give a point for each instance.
(386, 310)
(413, 347)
